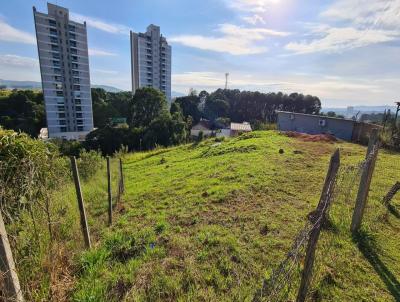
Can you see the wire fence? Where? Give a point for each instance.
(283, 282)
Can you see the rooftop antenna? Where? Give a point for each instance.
(226, 80)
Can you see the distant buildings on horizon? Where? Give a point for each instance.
(64, 67)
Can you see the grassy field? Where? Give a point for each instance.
(206, 222)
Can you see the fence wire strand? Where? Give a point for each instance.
(285, 277)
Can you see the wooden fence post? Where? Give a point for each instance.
(121, 175)
(10, 288)
(365, 182)
(84, 224)
(109, 192)
(317, 221)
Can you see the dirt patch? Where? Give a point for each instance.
(328, 138)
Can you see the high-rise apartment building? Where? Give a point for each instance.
(151, 60)
(64, 66)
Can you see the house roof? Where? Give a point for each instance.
(202, 125)
(241, 126)
(318, 116)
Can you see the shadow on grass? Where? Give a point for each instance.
(367, 246)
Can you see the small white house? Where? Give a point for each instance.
(234, 129)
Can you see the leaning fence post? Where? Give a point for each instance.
(121, 174)
(109, 192)
(9, 286)
(318, 220)
(84, 224)
(365, 182)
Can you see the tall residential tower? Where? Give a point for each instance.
(64, 67)
(151, 61)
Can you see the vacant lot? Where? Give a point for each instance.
(206, 222)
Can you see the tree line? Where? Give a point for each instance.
(149, 120)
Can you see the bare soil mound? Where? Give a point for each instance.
(312, 137)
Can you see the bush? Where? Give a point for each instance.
(88, 163)
(29, 168)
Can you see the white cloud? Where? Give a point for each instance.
(13, 66)
(351, 24)
(99, 24)
(254, 19)
(100, 52)
(337, 39)
(376, 13)
(104, 71)
(255, 6)
(235, 40)
(19, 61)
(12, 34)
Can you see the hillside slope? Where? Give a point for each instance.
(206, 222)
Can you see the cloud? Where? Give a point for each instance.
(18, 61)
(254, 19)
(100, 53)
(99, 24)
(12, 34)
(350, 24)
(235, 40)
(376, 13)
(104, 71)
(13, 66)
(254, 6)
(338, 39)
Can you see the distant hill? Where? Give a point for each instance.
(362, 109)
(177, 94)
(108, 88)
(21, 84)
(38, 85)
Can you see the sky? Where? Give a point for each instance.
(346, 52)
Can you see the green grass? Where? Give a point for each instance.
(206, 222)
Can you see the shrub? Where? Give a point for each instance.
(88, 163)
(29, 168)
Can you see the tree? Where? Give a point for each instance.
(190, 107)
(147, 104)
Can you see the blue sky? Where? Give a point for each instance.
(347, 52)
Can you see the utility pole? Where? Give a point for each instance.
(226, 80)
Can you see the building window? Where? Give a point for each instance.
(80, 128)
(52, 23)
(53, 40)
(77, 88)
(62, 122)
(74, 58)
(79, 115)
(57, 70)
(75, 72)
(56, 64)
(60, 108)
(78, 101)
(72, 36)
(53, 31)
(54, 47)
(79, 122)
(78, 108)
(74, 65)
(71, 27)
(72, 43)
(63, 129)
(61, 115)
(74, 51)
(58, 86)
(59, 93)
